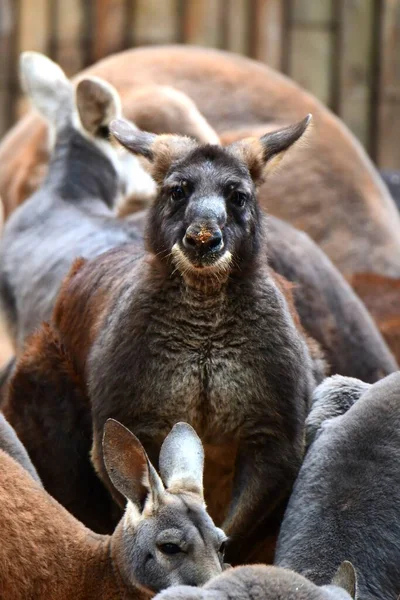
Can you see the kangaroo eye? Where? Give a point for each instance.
(239, 198)
(178, 193)
(170, 549)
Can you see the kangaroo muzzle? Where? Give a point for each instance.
(203, 239)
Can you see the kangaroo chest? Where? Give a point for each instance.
(202, 362)
(212, 362)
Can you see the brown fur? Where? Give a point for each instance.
(287, 288)
(46, 553)
(167, 149)
(47, 382)
(163, 109)
(381, 296)
(329, 180)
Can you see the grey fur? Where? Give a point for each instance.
(70, 216)
(133, 138)
(332, 398)
(10, 444)
(182, 458)
(176, 517)
(392, 180)
(345, 503)
(257, 583)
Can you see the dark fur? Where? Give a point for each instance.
(10, 444)
(69, 216)
(53, 419)
(346, 500)
(329, 310)
(154, 348)
(392, 180)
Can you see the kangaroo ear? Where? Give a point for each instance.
(182, 460)
(161, 150)
(46, 85)
(134, 140)
(128, 466)
(333, 397)
(263, 154)
(346, 578)
(98, 103)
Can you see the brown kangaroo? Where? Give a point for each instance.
(331, 180)
(164, 538)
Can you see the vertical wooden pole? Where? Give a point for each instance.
(287, 8)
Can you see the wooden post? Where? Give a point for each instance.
(310, 58)
(266, 32)
(388, 126)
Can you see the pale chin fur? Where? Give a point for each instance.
(183, 264)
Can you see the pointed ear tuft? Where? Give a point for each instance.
(98, 103)
(278, 142)
(135, 140)
(182, 460)
(263, 154)
(128, 466)
(162, 150)
(346, 578)
(47, 87)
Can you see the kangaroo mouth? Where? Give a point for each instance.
(216, 260)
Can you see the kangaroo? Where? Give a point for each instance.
(164, 538)
(346, 500)
(196, 329)
(259, 582)
(72, 214)
(329, 179)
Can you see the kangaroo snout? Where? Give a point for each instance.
(203, 238)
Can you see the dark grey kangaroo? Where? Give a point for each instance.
(198, 329)
(346, 500)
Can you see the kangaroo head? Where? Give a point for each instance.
(166, 536)
(259, 582)
(87, 108)
(205, 221)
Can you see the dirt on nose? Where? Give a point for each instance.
(204, 235)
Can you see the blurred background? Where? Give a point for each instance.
(346, 52)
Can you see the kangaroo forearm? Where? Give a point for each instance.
(260, 486)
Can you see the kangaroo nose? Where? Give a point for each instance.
(202, 239)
